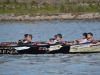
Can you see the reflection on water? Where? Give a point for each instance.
(57, 64)
(49, 64)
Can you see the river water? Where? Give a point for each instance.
(43, 30)
(51, 64)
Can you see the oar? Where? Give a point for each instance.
(41, 44)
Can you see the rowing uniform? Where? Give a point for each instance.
(55, 41)
(84, 41)
(89, 40)
(27, 42)
(24, 42)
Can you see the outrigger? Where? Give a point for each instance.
(43, 48)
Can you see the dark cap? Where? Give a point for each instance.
(30, 36)
(90, 34)
(25, 35)
(85, 34)
(59, 35)
(55, 36)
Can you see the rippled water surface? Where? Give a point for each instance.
(43, 30)
(58, 64)
(49, 64)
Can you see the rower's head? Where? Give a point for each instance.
(55, 36)
(59, 37)
(89, 35)
(25, 36)
(84, 35)
(52, 40)
(29, 37)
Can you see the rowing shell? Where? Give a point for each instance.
(85, 48)
(79, 48)
(49, 48)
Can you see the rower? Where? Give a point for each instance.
(58, 39)
(55, 37)
(22, 40)
(83, 40)
(29, 39)
(89, 37)
(51, 40)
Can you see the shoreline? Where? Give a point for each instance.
(51, 16)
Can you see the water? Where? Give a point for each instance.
(43, 30)
(58, 64)
(51, 64)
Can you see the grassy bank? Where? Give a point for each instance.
(33, 7)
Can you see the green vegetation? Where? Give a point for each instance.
(33, 7)
(79, 7)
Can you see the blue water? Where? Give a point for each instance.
(51, 64)
(43, 30)
(58, 64)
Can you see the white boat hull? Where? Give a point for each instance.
(79, 48)
(85, 48)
